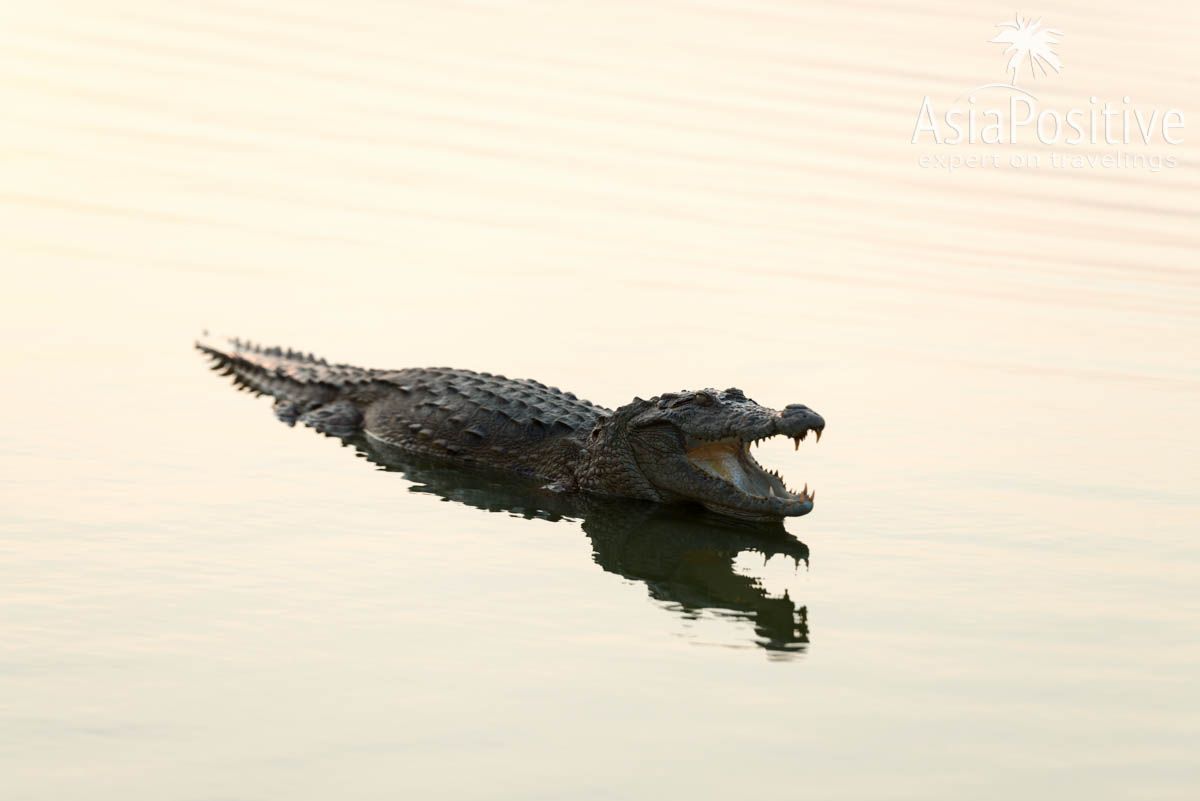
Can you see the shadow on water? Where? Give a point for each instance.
(684, 557)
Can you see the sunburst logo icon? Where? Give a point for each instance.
(1028, 41)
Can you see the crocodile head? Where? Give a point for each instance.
(695, 446)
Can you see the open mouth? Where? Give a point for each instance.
(759, 492)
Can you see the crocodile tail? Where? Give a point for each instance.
(292, 376)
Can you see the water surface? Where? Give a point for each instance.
(995, 597)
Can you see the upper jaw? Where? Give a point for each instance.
(794, 421)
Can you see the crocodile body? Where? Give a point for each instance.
(688, 446)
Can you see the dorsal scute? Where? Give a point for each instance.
(526, 402)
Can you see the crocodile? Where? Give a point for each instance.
(690, 447)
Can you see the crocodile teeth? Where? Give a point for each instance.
(818, 433)
(797, 441)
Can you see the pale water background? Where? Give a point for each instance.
(197, 602)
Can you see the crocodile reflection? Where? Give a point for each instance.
(684, 558)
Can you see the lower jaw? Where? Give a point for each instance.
(766, 498)
(732, 464)
(757, 515)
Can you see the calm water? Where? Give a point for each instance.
(996, 597)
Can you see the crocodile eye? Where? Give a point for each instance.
(704, 399)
